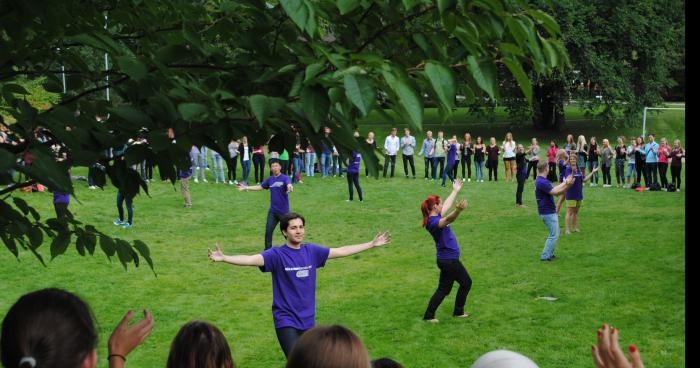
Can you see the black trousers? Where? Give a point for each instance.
(532, 165)
(258, 167)
(388, 158)
(663, 167)
(467, 161)
(676, 176)
(231, 164)
(440, 161)
(607, 179)
(408, 158)
(273, 219)
(354, 178)
(641, 172)
(620, 171)
(552, 174)
(450, 271)
(61, 210)
(651, 172)
(493, 168)
(429, 167)
(287, 337)
(521, 176)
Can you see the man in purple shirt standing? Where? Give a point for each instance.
(280, 185)
(293, 267)
(544, 194)
(354, 174)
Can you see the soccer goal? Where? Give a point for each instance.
(644, 122)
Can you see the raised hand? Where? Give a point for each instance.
(457, 185)
(570, 179)
(216, 255)
(607, 353)
(461, 204)
(381, 239)
(126, 338)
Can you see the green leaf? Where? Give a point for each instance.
(409, 4)
(142, 248)
(550, 53)
(192, 111)
(408, 99)
(135, 117)
(297, 11)
(315, 103)
(107, 245)
(124, 252)
(517, 70)
(10, 243)
(443, 5)
(133, 67)
(313, 70)
(60, 244)
(360, 91)
(511, 49)
(36, 237)
(22, 205)
(346, 6)
(484, 74)
(443, 82)
(264, 106)
(546, 21)
(7, 160)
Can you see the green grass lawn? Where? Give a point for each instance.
(626, 267)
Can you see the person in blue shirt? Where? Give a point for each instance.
(650, 151)
(544, 194)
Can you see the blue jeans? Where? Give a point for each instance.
(218, 166)
(325, 163)
(339, 163)
(203, 155)
(298, 163)
(246, 170)
(631, 172)
(310, 162)
(273, 219)
(479, 168)
(592, 165)
(129, 208)
(552, 223)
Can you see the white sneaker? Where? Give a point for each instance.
(195, 180)
(235, 182)
(463, 180)
(469, 180)
(204, 181)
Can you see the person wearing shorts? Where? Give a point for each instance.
(574, 194)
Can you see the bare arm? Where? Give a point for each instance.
(452, 216)
(348, 250)
(591, 174)
(456, 187)
(561, 188)
(242, 187)
(239, 260)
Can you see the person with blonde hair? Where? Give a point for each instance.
(606, 156)
(677, 156)
(581, 151)
(533, 157)
(467, 152)
(329, 347)
(570, 146)
(664, 153)
(492, 151)
(574, 195)
(508, 148)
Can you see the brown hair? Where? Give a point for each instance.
(542, 166)
(199, 345)
(428, 203)
(329, 347)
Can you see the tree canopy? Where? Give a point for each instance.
(186, 73)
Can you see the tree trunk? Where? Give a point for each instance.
(548, 105)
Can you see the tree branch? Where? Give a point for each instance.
(388, 26)
(91, 91)
(17, 186)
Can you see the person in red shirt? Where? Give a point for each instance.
(552, 159)
(663, 153)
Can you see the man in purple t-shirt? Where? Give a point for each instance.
(544, 194)
(280, 185)
(293, 267)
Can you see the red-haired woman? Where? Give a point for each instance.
(447, 251)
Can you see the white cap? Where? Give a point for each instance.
(503, 359)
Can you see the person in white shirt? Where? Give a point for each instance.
(408, 145)
(232, 161)
(391, 147)
(509, 157)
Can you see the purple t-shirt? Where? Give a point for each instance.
(279, 199)
(294, 283)
(575, 192)
(446, 246)
(452, 155)
(59, 197)
(354, 167)
(562, 167)
(545, 201)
